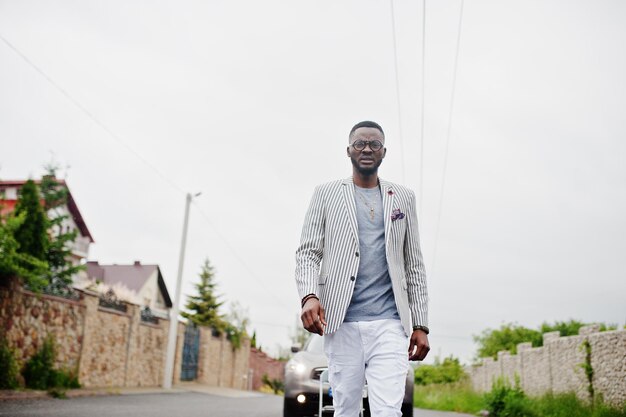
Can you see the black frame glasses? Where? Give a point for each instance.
(375, 145)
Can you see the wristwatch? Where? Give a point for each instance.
(422, 328)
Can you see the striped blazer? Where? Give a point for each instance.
(327, 259)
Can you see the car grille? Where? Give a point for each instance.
(315, 374)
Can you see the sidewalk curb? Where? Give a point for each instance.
(9, 395)
(15, 395)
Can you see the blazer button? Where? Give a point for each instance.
(352, 278)
(356, 254)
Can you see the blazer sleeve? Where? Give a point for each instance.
(414, 267)
(309, 253)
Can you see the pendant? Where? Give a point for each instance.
(372, 213)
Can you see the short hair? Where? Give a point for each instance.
(366, 123)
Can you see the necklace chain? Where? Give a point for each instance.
(370, 206)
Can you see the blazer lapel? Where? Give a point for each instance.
(350, 205)
(388, 196)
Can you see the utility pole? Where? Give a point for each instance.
(173, 333)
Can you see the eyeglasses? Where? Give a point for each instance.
(375, 145)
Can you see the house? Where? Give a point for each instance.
(144, 282)
(137, 283)
(74, 221)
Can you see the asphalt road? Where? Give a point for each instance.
(176, 404)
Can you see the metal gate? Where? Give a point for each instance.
(189, 370)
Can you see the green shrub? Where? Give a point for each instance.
(505, 400)
(9, 370)
(38, 370)
(508, 336)
(569, 405)
(588, 369)
(457, 396)
(448, 371)
(63, 379)
(276, 385)
(57, 393)
(234, 335)
(563, 405)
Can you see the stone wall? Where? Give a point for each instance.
(608, 360)
(108, 348)
(556, 366)
(220, 364)
(261, 364)
(104, 347)
(180, 341)
(26, 320)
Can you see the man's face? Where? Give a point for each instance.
(367, 161)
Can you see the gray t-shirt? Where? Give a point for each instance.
(373, 295)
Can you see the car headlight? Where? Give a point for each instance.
(295, 366)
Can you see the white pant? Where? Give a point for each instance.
(376, 351)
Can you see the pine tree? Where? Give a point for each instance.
(31, 270)
(59, 255)
(32, 233)
(204, 307)
(16, 259)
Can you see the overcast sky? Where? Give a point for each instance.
(251, 102)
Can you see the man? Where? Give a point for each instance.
(361, 280)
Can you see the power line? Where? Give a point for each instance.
(423, 99)
(264, 323)
(121, 142)
(395, 55)
(117, 138)
(445, 336)
(445, 158)
(240, 260)
(90, 115)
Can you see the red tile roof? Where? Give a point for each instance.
(9, 205)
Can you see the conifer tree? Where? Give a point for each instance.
(31, 270)
(32, 233)
(24, 240)
(59, 253)
(204, 307)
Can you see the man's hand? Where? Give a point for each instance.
(313, 316)
(418, 346)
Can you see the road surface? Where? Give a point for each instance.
(181, 403)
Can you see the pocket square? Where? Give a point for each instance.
(396, 215)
